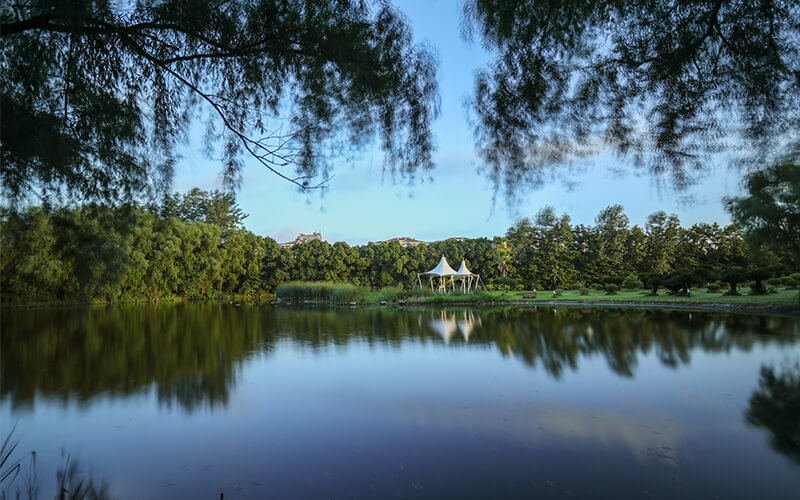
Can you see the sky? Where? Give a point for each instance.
(361, 205)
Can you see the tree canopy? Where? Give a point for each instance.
(666, 82)
(771, 208)
(97, 94)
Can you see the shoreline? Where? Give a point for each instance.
(687, 306)
(700, 306)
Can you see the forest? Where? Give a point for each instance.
(194, 246)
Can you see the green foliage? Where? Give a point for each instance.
(771, 210)
(567, 75)
(584, 291)
(714, 287)
(733, 277)
(598, 287)
(110, 89)
(631, 282)
(791, 283)
(558, 292)
(611, 289)
(338, 293)
(185, 250)
(759, 275)
(617, 280)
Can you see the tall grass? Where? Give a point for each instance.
(325, 291)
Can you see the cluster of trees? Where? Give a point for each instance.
(549, 252)
(191, 246)
(195, 246)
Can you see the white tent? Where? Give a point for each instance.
(467, 277)
(443, 271)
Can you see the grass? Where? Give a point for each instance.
(699, 296)
(327, 291)
(342, 293)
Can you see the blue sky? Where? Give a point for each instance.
(362, 206)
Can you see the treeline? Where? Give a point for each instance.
(549, 252)
(191, 246)
(194, 246)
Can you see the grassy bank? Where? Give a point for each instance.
(784, 298)
(343, 293)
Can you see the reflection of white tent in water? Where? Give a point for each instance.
(467, 324)
(444, 272)
(445, 326)
(448, 323)
(469, 280)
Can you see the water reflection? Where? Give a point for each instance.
(775, 406)
(191, 354)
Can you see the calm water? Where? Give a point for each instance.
(191, 401)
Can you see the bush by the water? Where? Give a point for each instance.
(584, 291)
(631, 282)
(714, 287)
(597, 286)
(558, 292)
(611, 289)
(339, 293)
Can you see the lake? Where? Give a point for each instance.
(190, 401)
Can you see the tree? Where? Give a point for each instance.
(111, 87)
(662, 238)
(572, 77)
(213, 207)
(612, 234)
(770, 211)
(734, 276)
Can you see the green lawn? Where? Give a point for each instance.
(699, 296)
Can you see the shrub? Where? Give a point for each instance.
(611, 289)
(616, 280)
(790, 283)
(733, 277)
(417, 292)
(339, 293)
(584, 291)
(504, 281)
(631, 282)
(576, 286)
(390, 293)
(558, 292)
(597, 286)
(774, 282)
(714, 287)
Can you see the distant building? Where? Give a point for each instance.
(404, 241)
(302, 238)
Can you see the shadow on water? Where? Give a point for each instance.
(191, 354)
(775, 406)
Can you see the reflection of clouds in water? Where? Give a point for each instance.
(648, 437)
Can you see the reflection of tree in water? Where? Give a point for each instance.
(190, 354)
(775, 406)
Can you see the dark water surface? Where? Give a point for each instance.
(189, 401)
